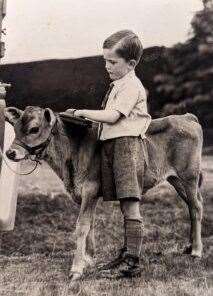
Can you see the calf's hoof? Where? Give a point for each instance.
(197, 253)
(75, 276)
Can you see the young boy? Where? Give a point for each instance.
(123, 124)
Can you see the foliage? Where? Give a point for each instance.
(186, 85)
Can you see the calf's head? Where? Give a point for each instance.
(32, 127)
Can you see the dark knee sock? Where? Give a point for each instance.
(133, 236)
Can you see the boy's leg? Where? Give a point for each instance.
(133, 237)
(132, 226)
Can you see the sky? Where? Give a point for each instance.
(47, 29)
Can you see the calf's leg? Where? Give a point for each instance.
(196, 213)
(90, 240)
(190, 193)
(84, 231)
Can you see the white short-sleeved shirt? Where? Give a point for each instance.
(128, 96)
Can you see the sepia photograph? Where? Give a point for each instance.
(106, 148)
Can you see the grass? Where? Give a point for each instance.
(36, 256)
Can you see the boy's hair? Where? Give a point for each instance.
(128, 45)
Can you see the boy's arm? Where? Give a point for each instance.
(107, 116)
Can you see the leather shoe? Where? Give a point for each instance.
(129, 267)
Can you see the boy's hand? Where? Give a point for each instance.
(71, 111)
(75, 112)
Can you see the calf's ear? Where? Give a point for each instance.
(49, 116)
(12, 114)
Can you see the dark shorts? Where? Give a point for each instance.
(122, 168)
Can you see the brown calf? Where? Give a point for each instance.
(174, 147)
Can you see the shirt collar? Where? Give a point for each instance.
(122, 80)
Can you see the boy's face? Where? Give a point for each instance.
(116, 66)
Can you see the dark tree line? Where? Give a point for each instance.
(186, 85)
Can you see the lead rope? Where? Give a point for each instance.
(15, 172)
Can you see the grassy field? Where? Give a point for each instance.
(36, 256)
